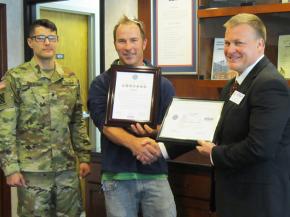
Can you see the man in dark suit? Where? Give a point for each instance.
(251, 149)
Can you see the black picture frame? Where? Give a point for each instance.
(144, 70)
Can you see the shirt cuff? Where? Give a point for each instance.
(11, 169)
(163, 150)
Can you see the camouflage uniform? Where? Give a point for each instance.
(41, 135)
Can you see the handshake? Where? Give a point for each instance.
(145, 148)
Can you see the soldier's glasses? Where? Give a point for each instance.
(42, 38)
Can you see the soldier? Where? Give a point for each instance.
(42, 133)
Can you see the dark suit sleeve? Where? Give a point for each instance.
(268, 106)
(174, 150)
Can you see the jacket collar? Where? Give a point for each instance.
(57, 74)
(117, 62)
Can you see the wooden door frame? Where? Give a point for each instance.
(5, 194)
(3, 40)
(144, 14)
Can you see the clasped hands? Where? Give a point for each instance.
(146, 149)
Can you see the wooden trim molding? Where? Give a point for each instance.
(3, 40)
(144, 14)
(256, 9)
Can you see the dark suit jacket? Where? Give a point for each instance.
(252, 156)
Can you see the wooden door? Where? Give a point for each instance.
(73, 44)
(5, 197)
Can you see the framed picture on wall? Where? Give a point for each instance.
(174, 36)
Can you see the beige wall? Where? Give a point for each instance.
(114, 10)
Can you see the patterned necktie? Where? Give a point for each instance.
(234, 87)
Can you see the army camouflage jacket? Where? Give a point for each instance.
(41, 124)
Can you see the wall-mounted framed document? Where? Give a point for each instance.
(174, 36)
(133, 96)
(188, 120)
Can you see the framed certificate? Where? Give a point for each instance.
(133, 96)
(188, 120)
(175, 24)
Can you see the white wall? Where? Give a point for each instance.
(114, 10)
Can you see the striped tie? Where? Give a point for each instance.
(234, 87)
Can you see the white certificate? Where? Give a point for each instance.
(174, 33)
(190, 120)
(133, 94)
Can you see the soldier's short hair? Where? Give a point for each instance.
(250, 19)
(127, 20)
(44, 23)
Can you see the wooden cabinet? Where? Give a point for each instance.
(189, 86)
(219, 4)
(95, 201)
(190, 178)
(276, 17)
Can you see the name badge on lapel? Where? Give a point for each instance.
(237, 97)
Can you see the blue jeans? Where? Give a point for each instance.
(125, 198)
